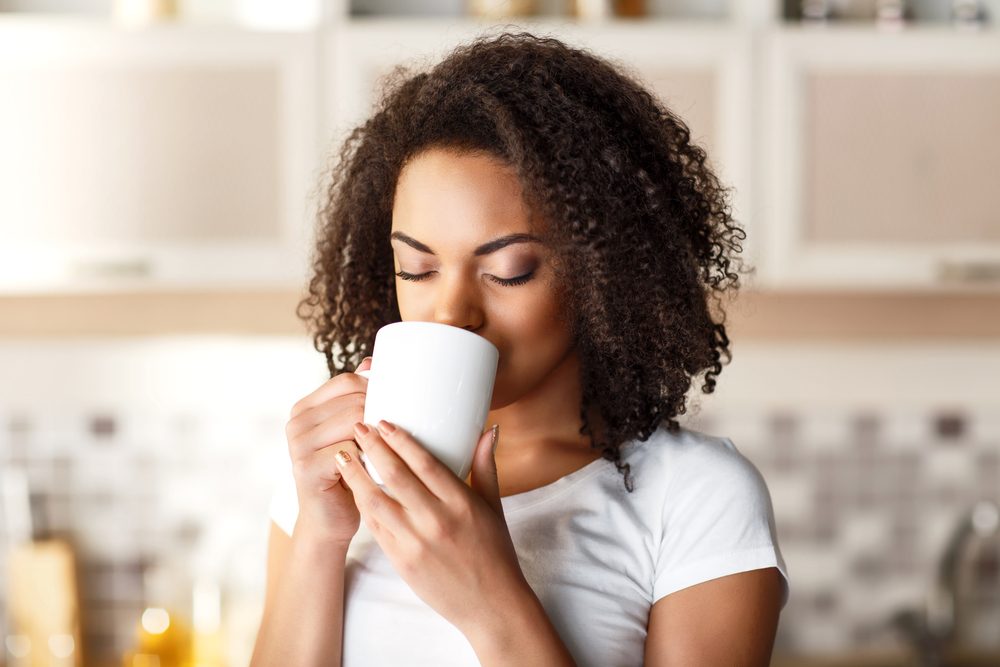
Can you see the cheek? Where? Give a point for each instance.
(414, 304)
(536, 340)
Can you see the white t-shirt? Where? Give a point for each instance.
(596, 556)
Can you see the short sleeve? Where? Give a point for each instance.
(284, 508)
(717, 520)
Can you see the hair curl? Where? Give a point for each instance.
(628, 195)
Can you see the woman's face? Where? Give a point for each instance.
(461, 228)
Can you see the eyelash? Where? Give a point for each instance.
(506, 282)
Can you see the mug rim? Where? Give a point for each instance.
(430, 325)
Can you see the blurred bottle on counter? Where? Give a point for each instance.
(629, 8)
(43, 601)
(596, 10)
(501, 9)
(43, 606)
(181, 626)
(815, 11)
(163, 630)
(137, 13)
(977, 581)
(208, 648)
(963, 608)
(968, 14)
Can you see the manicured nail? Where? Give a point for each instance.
(385, 428)
(342, 458)
(495, 438)
(361, 429)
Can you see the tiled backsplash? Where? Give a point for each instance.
(156, 459)
(864, 503)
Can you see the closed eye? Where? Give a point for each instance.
(507, 282)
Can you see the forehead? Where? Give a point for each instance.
(458, 198)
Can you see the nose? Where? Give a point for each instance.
(458, 302)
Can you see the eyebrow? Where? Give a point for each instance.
(484, 249)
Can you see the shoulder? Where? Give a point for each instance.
(711, 509)
(688, 460)
(701, 495)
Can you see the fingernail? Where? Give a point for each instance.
(361, 429)
(495, 438)
(385, 428)
(342, 458)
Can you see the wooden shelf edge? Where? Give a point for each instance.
(758, 316)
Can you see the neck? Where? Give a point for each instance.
(546, 418)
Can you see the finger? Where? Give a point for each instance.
(373, 503)
(345, 383)
(484, 470)
(365, 365)
(338, 409)
(400, 481)
(321, 470)
(434, 475)
(332, 430)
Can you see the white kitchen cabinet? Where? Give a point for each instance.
(881, 152)
(186, 156)
(702, 70)
(165, 157)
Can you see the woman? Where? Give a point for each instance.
(536, 195)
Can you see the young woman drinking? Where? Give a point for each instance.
(538, 196)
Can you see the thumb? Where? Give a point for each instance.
(484, 469)
(365, 365)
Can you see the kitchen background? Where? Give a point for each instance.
(160, 164)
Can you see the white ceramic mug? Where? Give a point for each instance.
(436, 382)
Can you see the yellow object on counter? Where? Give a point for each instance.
(44, 604)
(164, 640)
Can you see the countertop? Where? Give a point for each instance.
(884, 659)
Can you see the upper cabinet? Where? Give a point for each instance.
(190, 156)
(881, 153)
(171, 156)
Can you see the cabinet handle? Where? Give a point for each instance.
(970, 272)
(112, 268)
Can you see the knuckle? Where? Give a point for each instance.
(409, 565)
(390, 473)
(356, 408)
(296, 448)
(300, 468)
(374, 503)
(464, 512)
(414, 554)
(293, 447)
(425, 465)
(440, 529)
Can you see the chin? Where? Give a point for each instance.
(500, 397)
(503, 393)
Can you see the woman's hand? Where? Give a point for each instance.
(450, 543)
(322, 424)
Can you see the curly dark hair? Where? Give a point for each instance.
(627, 195)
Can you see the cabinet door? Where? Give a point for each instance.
(164, 157)
(701, 71)
(886, 150)
(359, 52)
(704, 74)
